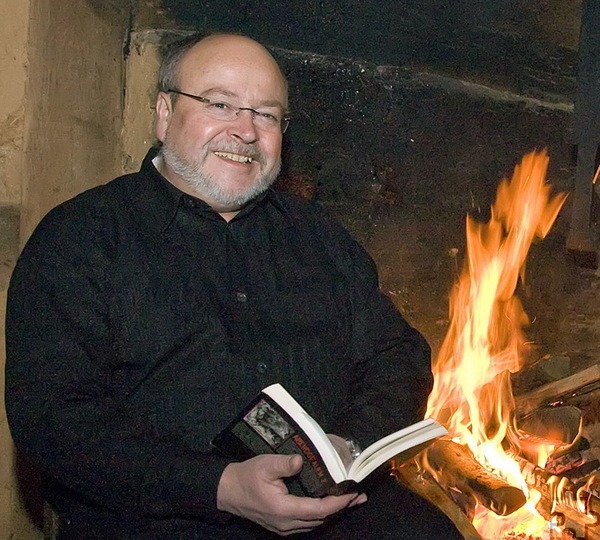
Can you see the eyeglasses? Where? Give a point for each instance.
(221, 110)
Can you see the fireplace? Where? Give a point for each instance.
(519, 466)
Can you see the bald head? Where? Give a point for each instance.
(223, 49)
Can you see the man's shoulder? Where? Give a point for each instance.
(95, 211)
(119, 189)
(113, 195)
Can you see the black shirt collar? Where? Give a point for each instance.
(163, 199)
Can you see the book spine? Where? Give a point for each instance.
(314, 477)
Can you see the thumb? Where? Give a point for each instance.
(289, 465)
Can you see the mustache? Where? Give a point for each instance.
(233, 148)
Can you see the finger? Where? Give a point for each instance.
(305, 525)
(337, 502)
(293, 526)
(341, 447)
(361, 498)
(297, 531)
(299, 527)
(285, 466)
(307, 508)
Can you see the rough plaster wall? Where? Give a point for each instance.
(141, 68)
(13, 71)
(140, 95)
(74, 102)
(13, 59)
(14, 523)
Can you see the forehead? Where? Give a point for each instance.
(238, 66)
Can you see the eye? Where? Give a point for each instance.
(268, 117)
(220, 106)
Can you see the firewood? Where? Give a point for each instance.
(558, 427)
(581, 499)
(422, 484)
(558, 390)
(457, 468)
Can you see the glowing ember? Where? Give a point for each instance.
(472, 394)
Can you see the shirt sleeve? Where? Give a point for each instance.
(62, 411)
(390, 377)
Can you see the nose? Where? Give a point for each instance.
(242, 127)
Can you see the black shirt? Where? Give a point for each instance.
(139, 322)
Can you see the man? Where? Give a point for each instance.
(143, 315)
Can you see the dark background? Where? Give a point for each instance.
(527, 46)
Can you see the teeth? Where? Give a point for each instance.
(234, 157)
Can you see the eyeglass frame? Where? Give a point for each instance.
(284, 122)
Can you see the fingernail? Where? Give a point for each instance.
(360, 499)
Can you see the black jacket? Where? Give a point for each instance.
(139, 322)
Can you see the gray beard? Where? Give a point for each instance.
(205, 185)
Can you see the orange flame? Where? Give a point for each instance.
(485, 343)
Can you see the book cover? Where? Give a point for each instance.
(264, 427)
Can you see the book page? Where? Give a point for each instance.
(414, 439)
(400, 434)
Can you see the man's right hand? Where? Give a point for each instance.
(255, 490)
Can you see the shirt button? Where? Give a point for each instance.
(261, 367)
(241, 296)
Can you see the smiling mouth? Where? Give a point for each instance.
(234, 157)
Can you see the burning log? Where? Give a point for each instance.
(560, 425)
(576, 465)
(554, 428)
(583, 500)
(423, 484)
(472, 392)
(457, 468)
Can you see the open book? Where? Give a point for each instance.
(275, 423)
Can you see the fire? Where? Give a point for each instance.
(485, 343)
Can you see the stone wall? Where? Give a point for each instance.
(516, 44)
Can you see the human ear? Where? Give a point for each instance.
(164, 112)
